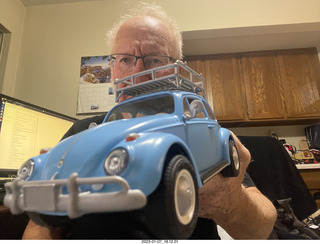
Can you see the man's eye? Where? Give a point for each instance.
(125, 60)
(156, 61)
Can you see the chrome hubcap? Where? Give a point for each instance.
(235, 157)
(184, 197)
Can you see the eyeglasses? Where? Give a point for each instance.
(127, 62)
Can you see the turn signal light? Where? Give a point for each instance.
(132, 137)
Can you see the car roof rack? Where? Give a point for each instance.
(183, 78)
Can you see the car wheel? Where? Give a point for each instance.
(234, 168)
(172, 210)
(49, 220)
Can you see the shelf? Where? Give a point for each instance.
(308, 166)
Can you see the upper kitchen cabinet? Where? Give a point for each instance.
(271, 86)
(223, 89)
(300, 71)
(263, 88)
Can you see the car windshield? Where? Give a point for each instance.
(144, 107)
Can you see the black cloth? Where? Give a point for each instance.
(83, 124)
(287, 225)
(126, 225)
(276, 176)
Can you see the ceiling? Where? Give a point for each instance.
(231, 40)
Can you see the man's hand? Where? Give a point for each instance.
(222, 193)
(37, 232)
(243, 212)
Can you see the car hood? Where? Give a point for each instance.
(84, 152)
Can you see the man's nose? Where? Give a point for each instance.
(139, 68)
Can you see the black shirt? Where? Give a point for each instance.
(127, 225)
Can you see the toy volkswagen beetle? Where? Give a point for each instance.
(151, 152)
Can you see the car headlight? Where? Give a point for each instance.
(26, 170)
(116, 162)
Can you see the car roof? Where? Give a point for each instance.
(175, 93)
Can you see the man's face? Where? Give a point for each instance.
(140, 36)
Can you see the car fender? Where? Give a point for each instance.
(147, 159)
(225, 136)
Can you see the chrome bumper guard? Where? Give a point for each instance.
(46, 196)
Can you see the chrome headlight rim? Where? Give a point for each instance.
(117, 161)
(26, 170)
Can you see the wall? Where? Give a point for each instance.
(217, 14)
(12, 14)
(55, 37)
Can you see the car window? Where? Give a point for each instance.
(209, 111)
(186, 109)
(144, 107)
(192, 109)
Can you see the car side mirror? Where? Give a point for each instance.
(196, 107)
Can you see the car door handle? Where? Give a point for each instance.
(210, 126)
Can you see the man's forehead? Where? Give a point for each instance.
(144, 24)
(141, 30)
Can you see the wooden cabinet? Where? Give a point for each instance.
(312, 179)
(223, 89)
(301, 81)
(263, 86)
(277, 86)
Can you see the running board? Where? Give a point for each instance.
(212, 172)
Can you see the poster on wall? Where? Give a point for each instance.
(96, 93)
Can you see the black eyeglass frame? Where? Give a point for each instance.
(112, 59)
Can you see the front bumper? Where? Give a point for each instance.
(46, 196)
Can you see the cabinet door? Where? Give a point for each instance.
(223, 89)
(300, 70)
(263, 86)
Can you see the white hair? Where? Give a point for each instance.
(157, 12)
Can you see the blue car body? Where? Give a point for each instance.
(171, 127)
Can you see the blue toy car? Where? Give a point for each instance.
(152, 152)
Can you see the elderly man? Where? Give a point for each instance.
(144, 40)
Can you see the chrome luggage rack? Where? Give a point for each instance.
(176, 80)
